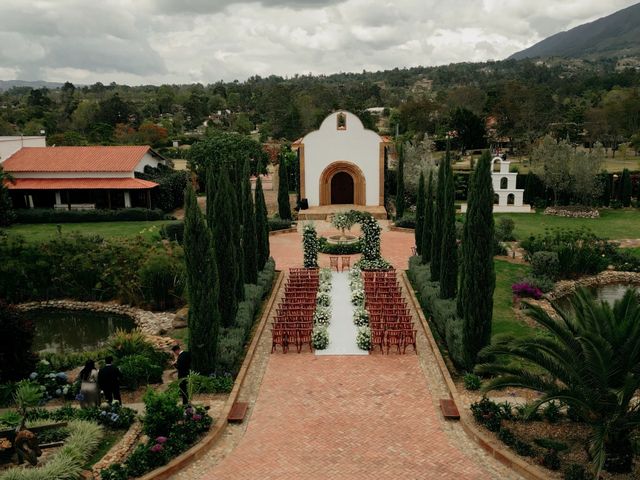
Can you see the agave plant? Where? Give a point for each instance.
(589, 359)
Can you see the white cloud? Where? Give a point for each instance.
(158, 41)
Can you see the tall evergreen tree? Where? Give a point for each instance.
(427, 225)
(400, 183)
(248, 228)
(284, 207)
(210, 189)
(262, 226)
(606, 188)
(625, 188)
(236, 230)
(448, 249)
(202, 286)
(419, 214)
(478, 278)
(436, 235)
(226, 252)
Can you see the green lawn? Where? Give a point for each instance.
(48, 231)
(504, 319)
(612, 224)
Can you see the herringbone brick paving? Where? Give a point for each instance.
(345, 418)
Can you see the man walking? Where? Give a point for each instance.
(109, 378)
(183, 365)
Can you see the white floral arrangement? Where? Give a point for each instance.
(364, 338)
(324, 287)
(325, 275)
(323, 299)
(310, 246)
(320, 337)
(322, 316)
(357, 297)
(354, 274)
(360, 317)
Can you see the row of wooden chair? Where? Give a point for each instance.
(286, 337)
(346, 263)
(401, 339)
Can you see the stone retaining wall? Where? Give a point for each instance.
(150, 323)
(609, 277)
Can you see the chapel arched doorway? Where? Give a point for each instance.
(342, 189)
(342, 183)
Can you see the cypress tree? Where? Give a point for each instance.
(625, 188)
(478, 278)
(400, 183)
(427, 225)
(419, 214)
(236, 238)
(436, 235)
(248, 228)
(284, 207)
(226, 252)
(210, 190)
(448, 249)
(262, 227)
(202, 287)
(606, 188)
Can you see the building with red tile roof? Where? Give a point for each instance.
(81, 177)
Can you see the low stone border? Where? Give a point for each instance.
(200, 448)
(150, 323)
(120, 450)
(491, 446)
(393, 228)
(283, 231)
(608, 277)
(572, 212)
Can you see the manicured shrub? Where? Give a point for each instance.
(472, 382)
(545, 263)
(161, 412)
(173, 231)
(278, 224)
(205, 384)
(487, 413)
(139, 370)
(310, 246)
(45, 215)
(408, 221)
(504, 229)
(541, 282)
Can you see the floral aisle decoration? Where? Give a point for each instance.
(322, 315)
(310, 246)
(360, 314)
(364, 338)
(357, 297)
(360, 317)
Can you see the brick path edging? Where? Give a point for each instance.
(283, 231)
(393, 228)
(199, 449)
(495, 449)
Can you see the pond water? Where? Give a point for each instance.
(609, 293)
(72, 331)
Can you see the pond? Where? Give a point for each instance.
(610, 293)
(72, 331)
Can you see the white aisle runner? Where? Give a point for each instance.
(342, 331)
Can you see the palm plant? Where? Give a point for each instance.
(589, 359)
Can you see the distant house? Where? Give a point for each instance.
(81, 177)
(11, 144)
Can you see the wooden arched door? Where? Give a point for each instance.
(342, 189)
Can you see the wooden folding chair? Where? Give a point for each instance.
(346, 262)
(333, 263)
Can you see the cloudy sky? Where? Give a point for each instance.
(184, 41)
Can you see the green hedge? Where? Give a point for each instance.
(173, 231)
(231, 346)
(278, 224)
(47, 215)
(339, 248)
(408, 221)
(442, 312)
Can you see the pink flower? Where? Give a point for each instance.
(197, 417)
(161, 440)
(156, 448)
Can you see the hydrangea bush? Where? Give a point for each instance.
(360, 317)
(357, 297)
(322, 316)
(323, 299)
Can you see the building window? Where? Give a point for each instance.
(503, 183)
(511, 199)
(341, 121)
(496, 199)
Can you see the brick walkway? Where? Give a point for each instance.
(345, 418)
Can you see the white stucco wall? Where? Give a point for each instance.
(148, 159)
(354, 144)
(10, 145)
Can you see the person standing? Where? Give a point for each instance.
(109, 378)
(183, 365)
(89, 393)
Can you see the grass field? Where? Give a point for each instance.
(504, 318)
(612, 224)
(47, 231)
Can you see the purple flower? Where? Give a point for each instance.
(79, 397)
(156, 448)
(526, 290)
(161, 440)
(197, 417)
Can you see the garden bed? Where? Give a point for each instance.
(573, 211)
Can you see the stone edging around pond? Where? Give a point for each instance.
(149, 323)
(608, 277)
